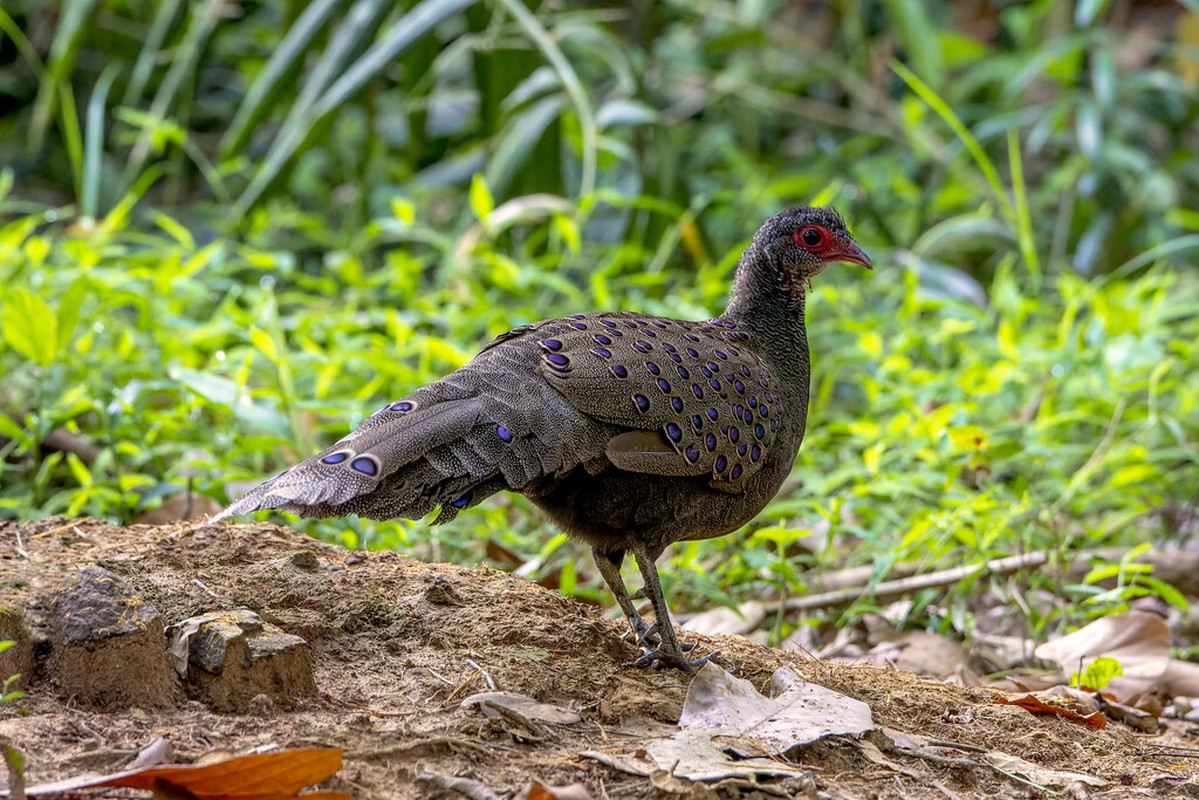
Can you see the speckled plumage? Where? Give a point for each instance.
(630, 431)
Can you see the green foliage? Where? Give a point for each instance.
(7, 693)
(314, 208)
(1098, 674)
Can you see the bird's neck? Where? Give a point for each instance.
(773, 315)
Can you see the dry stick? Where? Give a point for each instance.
(897, 588)
(463, 786)
(1176, 567)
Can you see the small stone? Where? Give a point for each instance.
(305, 560)
(442, 593)
(262, 705)
(108, 645)
(234, 657)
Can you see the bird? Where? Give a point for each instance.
(629, 431)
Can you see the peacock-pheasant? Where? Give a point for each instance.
(630, 431)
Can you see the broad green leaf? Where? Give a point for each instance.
(11, 430)
(29, 327)
(69, 308)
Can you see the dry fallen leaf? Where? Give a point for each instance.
(523, 706)
(1045, 703)
(797, 713)
(731, 731)
(263, 776)
(697, 755)
(575, 791)
(1139, 640)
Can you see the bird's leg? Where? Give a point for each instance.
(669, 652)
(609, 567)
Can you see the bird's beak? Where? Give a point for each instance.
(849, 251)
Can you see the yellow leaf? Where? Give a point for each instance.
(873, 457)
(968, 437)
(481, 201)
(1136, 473)
(872, 343)
(265, 344)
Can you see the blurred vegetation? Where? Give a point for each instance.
(230, 230)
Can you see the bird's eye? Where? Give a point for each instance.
(811, 237)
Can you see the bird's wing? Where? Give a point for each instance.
(693, 399)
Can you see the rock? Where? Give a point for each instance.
(235, 662)
(17, 659)
(108, 645)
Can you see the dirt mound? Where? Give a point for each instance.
(396, 645)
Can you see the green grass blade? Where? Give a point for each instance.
(93, 143)
(351, 33)
(9, 28)
(63, 52)
(147, 57)
(407, 30)
(934, 101)
(919, 37)
(270, 82)
(348, 40)
(72, 136)
(570, 81)
(517, 140)
(183, 67)
(1024, 232)
(418, 22)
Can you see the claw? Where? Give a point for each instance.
(648, 635)
(660, 659)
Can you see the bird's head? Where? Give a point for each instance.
(790, 249)
(803, 241)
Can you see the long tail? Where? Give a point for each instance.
(450, 445)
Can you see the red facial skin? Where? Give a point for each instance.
(819, 240)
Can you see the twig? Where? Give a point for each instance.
(463, 786)
(470, 662)
(970, 762)
(903, 586)
(535, 730)
(970, 748)
(21, 545)
(1171, 750)
(421, 748)
(1179, 568)
(207, 591)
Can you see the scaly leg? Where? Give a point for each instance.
(668, 652)
(609, 567)
(643, 634)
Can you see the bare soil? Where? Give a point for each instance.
(397, 644)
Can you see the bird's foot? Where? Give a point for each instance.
(647, 635)
(663, 657)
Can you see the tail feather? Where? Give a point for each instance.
(489, 426)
